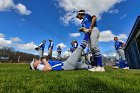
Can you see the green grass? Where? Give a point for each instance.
(18, 78)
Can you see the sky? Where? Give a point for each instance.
(24, 24)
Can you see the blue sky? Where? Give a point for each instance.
(25, 23)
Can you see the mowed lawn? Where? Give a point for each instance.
(18, 78)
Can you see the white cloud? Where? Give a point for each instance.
(27, 46)
(46, 54)
(2, 35)
(3, 41)
(66, 53)
(123, 16)
(15, 39)
(6, 5)
(62, 45)
(23, 20)
(74, 34)
(107, 36)
(54, 53)
(21, 9)
(70, 17)
(122, 36)
(96, 7)
(115, 11)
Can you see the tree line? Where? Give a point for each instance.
(8, 54)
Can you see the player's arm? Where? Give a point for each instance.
(123, 45)
(47, 65)
(92, 23)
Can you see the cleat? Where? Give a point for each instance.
(115, 67)
(126, 68)
(92, 69)
(98, 69)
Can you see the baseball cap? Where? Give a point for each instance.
(80, 12)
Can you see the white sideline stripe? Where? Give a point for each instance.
(56, 65)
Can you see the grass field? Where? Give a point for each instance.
(18, 78)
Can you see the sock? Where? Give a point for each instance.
(125, 63)
(99, 61)
(95, 61)
(90, 67)
(117, 63)
(85, 41)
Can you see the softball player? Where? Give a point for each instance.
(89, 23)
(70, 64)
(59, 50)
(50, 48)
(119, 45)
(74, 46)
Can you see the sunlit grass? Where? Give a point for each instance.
(18, 78)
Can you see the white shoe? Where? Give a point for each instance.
(126, 68)
(115, 67)
(98, 69)
(92, 69)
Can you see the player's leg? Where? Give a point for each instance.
(94, 38)
(117, 60)
(81, 65)
(50, 53)
(93, 63)
(70, 63)
(58, 54)
(88, 58)
(122, 54)
(93, 59)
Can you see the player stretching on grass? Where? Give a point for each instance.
(89, 22)
(119, 46)
(70, 64)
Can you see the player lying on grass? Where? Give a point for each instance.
(70, 64)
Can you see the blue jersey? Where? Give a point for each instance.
(118, 44)
(72, 49)
(56, 65)
(50, 45)
(59, 50)
(87, 21)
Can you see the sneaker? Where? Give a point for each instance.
(98, 69)
(83, 29)
(126, 68)
(115, 67)
(92, 69)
